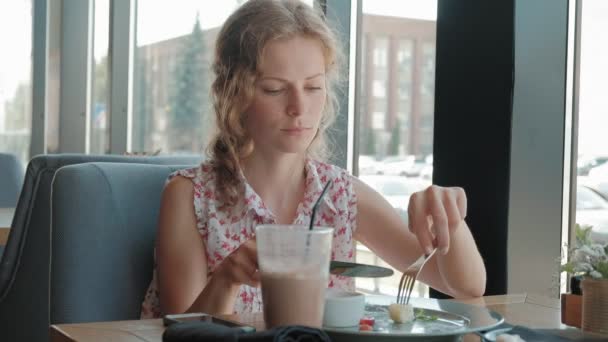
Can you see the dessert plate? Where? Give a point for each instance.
(436, 321)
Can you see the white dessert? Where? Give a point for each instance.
(401, 313)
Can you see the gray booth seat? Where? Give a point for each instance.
(25, 264)
(104, 218)
(11, 179)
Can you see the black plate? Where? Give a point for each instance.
(351, 269)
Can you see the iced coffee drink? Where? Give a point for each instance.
(294, 267)
(293, 298)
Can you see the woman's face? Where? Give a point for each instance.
(289, 96)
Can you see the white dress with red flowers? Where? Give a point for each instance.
(225, 230)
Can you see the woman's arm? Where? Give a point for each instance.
(459, 272)
(181, 259)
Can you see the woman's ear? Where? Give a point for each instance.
(247, 149)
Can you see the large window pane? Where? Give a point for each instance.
(15, 77)
(592, 168)
(172, 73)
(174, 51)
(396, 101)
(100, 133)
(53, 86)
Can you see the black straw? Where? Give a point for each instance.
(314, 207)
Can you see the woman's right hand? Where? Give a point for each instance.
(241, 266)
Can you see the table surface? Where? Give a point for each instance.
(519, 309)
(6, 218)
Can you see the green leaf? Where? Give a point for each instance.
(568, 267)
(421, 316)
(582, 233)
(602, 267)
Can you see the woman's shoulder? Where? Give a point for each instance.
(195, 182)
(326, 168)
(330, 171)
(199, 175)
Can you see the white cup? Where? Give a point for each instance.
(343, 309)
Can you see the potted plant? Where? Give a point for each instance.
(589, 259)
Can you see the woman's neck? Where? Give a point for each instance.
(279, 180)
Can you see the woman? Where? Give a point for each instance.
(276, 67)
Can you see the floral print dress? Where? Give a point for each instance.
(225, 230)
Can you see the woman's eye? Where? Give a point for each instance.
(273, 91)
(313, 88)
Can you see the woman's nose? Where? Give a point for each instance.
(297, 103)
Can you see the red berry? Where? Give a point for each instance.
(365, 327)
(367, 320)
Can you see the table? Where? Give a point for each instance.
(519, 309)
(6, 218)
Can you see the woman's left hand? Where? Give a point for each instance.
(435, 214)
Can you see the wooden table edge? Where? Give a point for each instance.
(4, 232)
(58, 335)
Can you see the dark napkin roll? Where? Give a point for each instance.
(212, 332)
(200, 331)
(539, 335)
(532, 335)
(290, 333)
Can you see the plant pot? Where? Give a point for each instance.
(595, 305)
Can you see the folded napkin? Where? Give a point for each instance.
(212, 332)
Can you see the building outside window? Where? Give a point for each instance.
(172, 74)
(174, 49)
(397, 81)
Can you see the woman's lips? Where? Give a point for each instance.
(295, 130)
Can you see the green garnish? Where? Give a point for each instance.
(421, 316)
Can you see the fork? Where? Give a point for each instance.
(406, 284)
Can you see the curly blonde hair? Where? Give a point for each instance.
(238, 53)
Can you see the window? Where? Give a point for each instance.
(100, 121)
(15, 78)
(592, 166)
(396, 100)
(172, 76)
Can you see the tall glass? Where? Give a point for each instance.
(294, 265)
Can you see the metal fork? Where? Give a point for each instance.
(406, 284)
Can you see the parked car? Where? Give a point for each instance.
(602, 188)
(597, 179)
(427, 173)
(586, 164)
(368, 165)
(598, 185)
(415, 169)
(599, 172)
(429, 159)
(396, 190)
(592, 209)
(396, 165)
